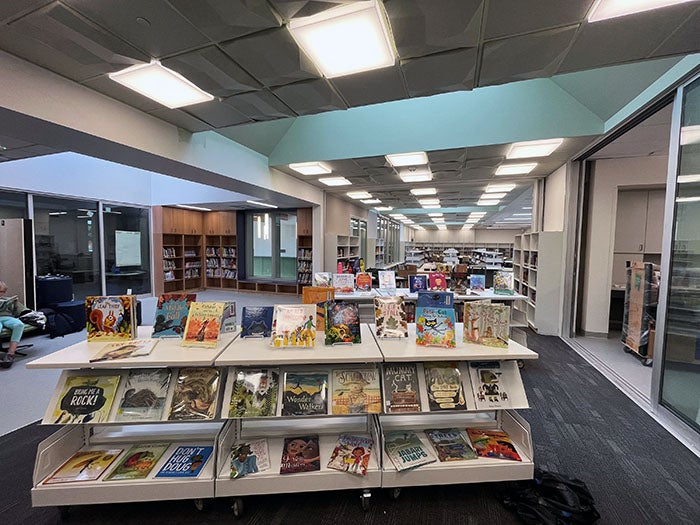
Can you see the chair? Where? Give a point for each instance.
(5, 333)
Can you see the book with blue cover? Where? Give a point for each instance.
(256, 321)
(417, 283)
(435, 299)
(477, 282)
(435, 326)
(171, 314)
(186, 462)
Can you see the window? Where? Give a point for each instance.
(271, 240)
(127, 249)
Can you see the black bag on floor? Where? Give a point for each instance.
(59, 324)
(553, 499)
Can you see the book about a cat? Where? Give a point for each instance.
(437, 281)
(300, 454)
(406, 451)
(416, 283)
(444, 383)
(204, 324)
(138, 462)
(342, 323)
(450, 444)
(390, 317)
(171, 314)
(228, 318)
(387, 281)
(486, 323)
(352, 454)
(187, 461)
(84, 465)
(477, 282)
(294, 325)
(249, 457)
(401, 390)
(110, 317)
(256, 321)
(144, 395)
(435, 327)
(305, 393)
(85, 399)
(503, 283)
(493, 444)
(124, 350)
(363, 282)
(254, 393)
(356, 391)
(324, 279)
(437, 299)
(344, 283)
(195, 394)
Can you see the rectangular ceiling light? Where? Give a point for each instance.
(430, 206)
(310, 168)
(515, 169)
(428, 201)
(384, 208)
(397, 215)
(493, 195)
(417, 227)
(435, 215)
(161, 84)
(423, 191)
(335, 181)
(472, 221)
(438, 220)
(685, 179)
(690, 135)
(441, 227)
(416, 174)
(371, 201)
(407, 221)
(416, 158)
(488, 202)
(359, 195)
(345, 40)
(187, 206)
(606, 9)
(687, 199)
(478, 213)
(498, 188)
(259, 203)
(522, 215)
(533, 148)
(467, 226)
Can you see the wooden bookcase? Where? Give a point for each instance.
(304, 247)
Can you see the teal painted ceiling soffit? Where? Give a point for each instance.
(259, 136)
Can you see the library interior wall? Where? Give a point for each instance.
(467, 236)
(554, 200)
(608, 176)
(338, 214)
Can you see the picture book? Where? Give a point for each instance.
(489, 386)
(401, 391)
(305, 393)
(324, 279)
(144, 395)
(294, 325)
(435, 326)
(344, 282)
(406, 451)
(228, 318)
(342, 323)
(249, 457)
(444, 383)
(503, 283)
(450, 444)
(356, 391)
(390, 317)
(186, 462)
(387, 281)
(84, 465)
(110, 317)
(254, 393)
(203, 324)
(486, 323)
(85, 399)
(459, 282)
(437, 281)
(195, 395)
(318, 295)
(300, 454)
(477, 282)
(124, 350)
(363, 282)
(138, 461)
(417, 283)
(438, 299)
(351, 454)
(256, 321)
(493, 444)
(171, 314)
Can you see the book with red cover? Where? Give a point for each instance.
(300, 454)
(493, 444)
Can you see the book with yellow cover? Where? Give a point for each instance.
(356, 391)
(203, 324)
(85, 399)
(110, 317)
(84, 465)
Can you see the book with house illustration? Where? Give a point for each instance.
(390, 317)
(256, 321)
(486, 323)
(171, 314)
(110, 317)
(342, 323)
(293, 325)
(401, 390)
(204, 324)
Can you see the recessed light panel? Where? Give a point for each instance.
(260, 203)
(533, 148)
(488, 202)
(428, 201)
(423, 191)
(498, 188)
(435, 215)
(417, 158)
(685, 179)
(384, 208)
(430, 206)
(605, 9)
(493, 195)
(335, 181)
(422, 174)
(310, 168)
(371, 201)
(690, 135)
(187, 206)
(441, 227)
(359, 195)
(515, 169)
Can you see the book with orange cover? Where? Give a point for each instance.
(493, 444)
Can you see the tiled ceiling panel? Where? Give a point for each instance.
(310, 96)
(260, 105)
(11, 143)
(686, 39)
(371, 87)
(105, 85)
(440, 73)
(423, 27)
(15, 8)
(181, 119)
(458, 155)
(300, 8)
(217, 114)
(512, 17)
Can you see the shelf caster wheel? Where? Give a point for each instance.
(64, 512)
(238, 507)
(648, 362)
(395, 493)
(200, 504)
(364, 500)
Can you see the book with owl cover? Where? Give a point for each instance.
(493, 444)
(342, 323)
(195, 394)
(85, 399)
(450, 444)
(444, 383)
(344, 282)
(406, 451)
(84, 465)
(401, 390)
(186, 461)
(204, 324)
(256, 321)
(300, 454)
(435, 327)
(254, 393)
(110, 317)
(390, 317)
(138, 461)
(171, 314)
(437, 281)
(144, 395)
(356, 391)
(352, 454)
(486, 323)
(305, 393)
(293, 325)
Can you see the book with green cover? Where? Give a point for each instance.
(138, 461)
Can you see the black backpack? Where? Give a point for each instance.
(552, 499)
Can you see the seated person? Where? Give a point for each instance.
(10, 308)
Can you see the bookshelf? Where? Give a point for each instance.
(221, 261)
(343, 249)
(304, 247)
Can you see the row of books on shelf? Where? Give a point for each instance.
(169, 253)
(193, 264)
(224, 273)
(225, 262)
(169, 264)
(169, 276)
(304, 253)
(192, 273)
(216, 251)
(191, 253)
(304, 278)
(304, 266)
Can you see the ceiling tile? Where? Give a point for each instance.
(16, 8)
(28, 151)
(12, 143)
(448, 155)
(226, 19)
(512, 17)
(686, 39)
(440, 73)
(299, 8)
(163, 32)
(309, 96)
(486, 162)
(213, 71)
(535, 55)
(372, 162)
(105, 85)
(272, 57)
(446, 166)
(420, 27)
(216, 113)
(67, 43)
(260, 105)
(371, 87)
(181, 119)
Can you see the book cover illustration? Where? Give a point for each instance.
(401, 388)
(294, 325)
(363, 282)
(110, 317)
(344, 282)
(318, 295)
(85, 399)
(459, 282)
(477, 282)
(406, 451)
(300, 454)
(437, 281)
(144, 395)
(124, 350)
(256, 321)
(249, 457)
(228, 318)
(254, 393)
(435, 327)
(185, 462)
(305, 393)
(387, 281)
(437, 299)
(444, 384)
(352, 454)
(486, 324)
(493, 444)
(488, 386)
(171, 314)
(417, 283)
(450, 444)
(138, 461)
(195, 394)
(503, 283)
(356, 391)
(324, 279)
(342, 323)
(203, 324)
(390, 317)
(84, 465)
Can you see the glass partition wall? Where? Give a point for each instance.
(272, 250)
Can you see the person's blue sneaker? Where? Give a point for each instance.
(7, 360)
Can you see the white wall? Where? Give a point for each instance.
(467, 236)
(554, 200)
(607, 178)
(338, 213)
